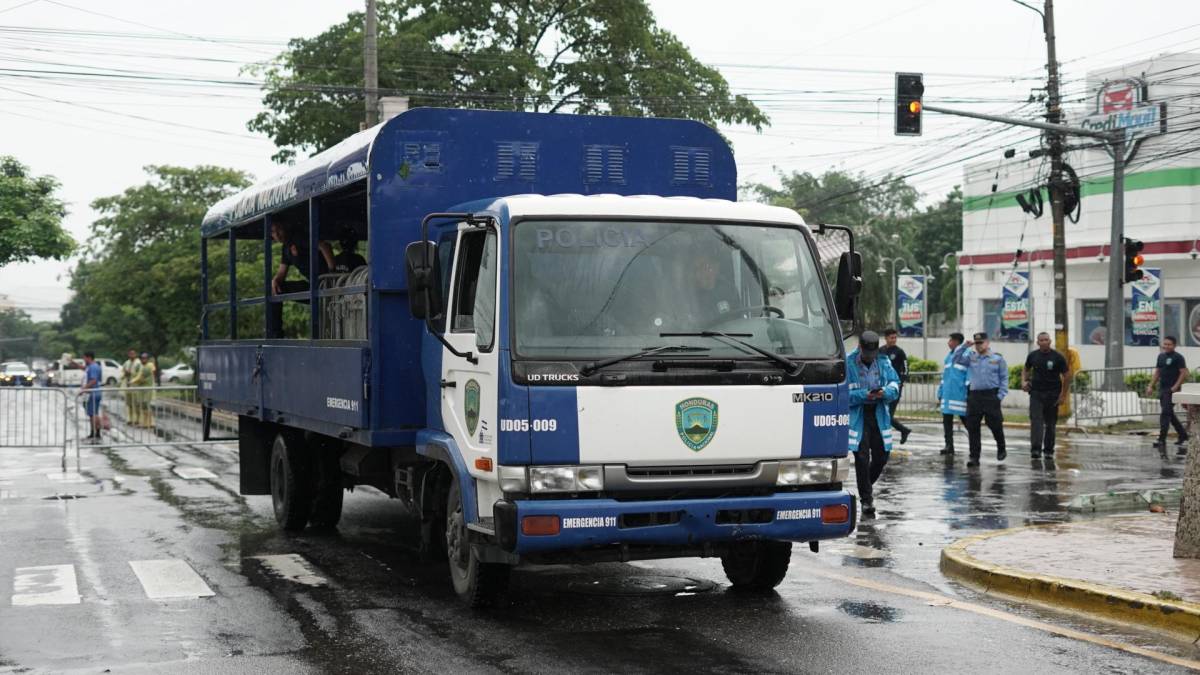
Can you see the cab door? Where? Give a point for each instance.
(470, 403)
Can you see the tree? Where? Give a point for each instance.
(138, 284)
(30, 216)
(875, 210)
(930, 236)
(584, 56)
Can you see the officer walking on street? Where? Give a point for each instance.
(987, 375)
(1170, 372)
(899, 361)
(952, 391)
(1046, 378)
(873, 384)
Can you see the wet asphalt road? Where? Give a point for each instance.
(362, 601)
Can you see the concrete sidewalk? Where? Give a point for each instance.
(1118, 568)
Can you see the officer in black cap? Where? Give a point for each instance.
(987, 377)
(873, 384)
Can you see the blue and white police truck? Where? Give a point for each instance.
(562, 340)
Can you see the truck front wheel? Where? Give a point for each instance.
(289, 484)
(757, 565)
(479, 584)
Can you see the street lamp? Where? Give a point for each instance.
(945, 267)
(892, 289)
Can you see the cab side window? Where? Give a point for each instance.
(475, 290)
(445, 252)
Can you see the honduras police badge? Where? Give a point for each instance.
(696, 422)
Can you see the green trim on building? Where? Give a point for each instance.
(1144, 180)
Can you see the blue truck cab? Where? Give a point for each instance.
(566, 342)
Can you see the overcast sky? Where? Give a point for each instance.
(821, 70)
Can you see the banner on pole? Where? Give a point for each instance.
(910, 304)
(1014, 312)
(1147, 308)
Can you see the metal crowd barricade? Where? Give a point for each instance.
(168, 415)
(1111, 395)
(920, 394)
(38, 417)
(344, 308)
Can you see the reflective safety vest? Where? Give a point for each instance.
(953, 389)
(888, 381)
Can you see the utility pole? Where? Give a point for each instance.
(1114, 343)
(1054, 141)
(371, 66)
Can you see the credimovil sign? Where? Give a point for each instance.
(1122, 105)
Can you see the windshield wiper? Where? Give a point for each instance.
(604, 363)
(736, 338)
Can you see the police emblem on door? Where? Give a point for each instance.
(696, 422)
(471, 405)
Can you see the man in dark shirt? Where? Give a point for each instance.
(899, 361)
(1046, 378)
(348, 259)
(1169, 374)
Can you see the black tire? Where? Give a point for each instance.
(291, 495)
(327, 490)
(110, 382)
(477, 583)
(757, 566)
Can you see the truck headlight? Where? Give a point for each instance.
(813, 472)
(544, 479)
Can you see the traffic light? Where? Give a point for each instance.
(909, 89)
(1133, 260)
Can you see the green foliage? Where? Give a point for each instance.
(33, 338)
(930, 236)
(1138, 382)
(138, 284)
(1014, 377)
(875, 210)
(918, 365)
(584, 56)
(1082, 382)
(30, 216)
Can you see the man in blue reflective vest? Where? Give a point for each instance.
(987, 383)
(952, 391)
(873, 384)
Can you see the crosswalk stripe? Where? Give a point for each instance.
(45, 585)
(169, 579)
(292, 567)
(193, 472)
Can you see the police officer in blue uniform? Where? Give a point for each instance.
(873, 384)
(987, 377)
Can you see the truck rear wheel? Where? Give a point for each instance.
(290, 494)
(757, 565)
(327, 490)
(479, 584)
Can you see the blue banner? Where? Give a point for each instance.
(1147, 308)
(910, 305)
(1014, 309)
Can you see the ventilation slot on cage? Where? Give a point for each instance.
(604, 164)
(691, 166)
(516, 160)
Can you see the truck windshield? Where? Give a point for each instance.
(595, 288)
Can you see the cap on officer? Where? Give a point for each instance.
(980, 337)
(868, 341)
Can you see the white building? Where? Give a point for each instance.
(1162, 209)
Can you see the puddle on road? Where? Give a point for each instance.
(649, 584)
(870, 612)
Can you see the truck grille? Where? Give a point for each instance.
(683, 471)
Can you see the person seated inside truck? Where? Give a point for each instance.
(295, 254)
(708, 289)
(348, 258)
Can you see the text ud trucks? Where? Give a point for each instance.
(568, 343)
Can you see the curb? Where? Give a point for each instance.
(1092, 600)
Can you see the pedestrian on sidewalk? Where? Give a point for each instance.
(89, 392)
(987, 378)
(899, 360)
(129, 370)
(1170, 372)
(144, 380)
(952, 391)
(1046, 378)
(873, 384)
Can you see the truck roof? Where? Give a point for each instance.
(642, 206)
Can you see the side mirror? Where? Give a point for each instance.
(424, 280)
(847, 289)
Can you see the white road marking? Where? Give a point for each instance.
(168, 579)
(292, 567)
(9, 494)
(46, 585)
(193, 472)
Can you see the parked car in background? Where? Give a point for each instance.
(180, 373)
(16, 374)
(110, 372)
(65, 372)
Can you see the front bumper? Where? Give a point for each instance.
(597, 523)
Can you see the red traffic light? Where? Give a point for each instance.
(914, 107)
(1138, 260)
